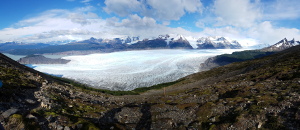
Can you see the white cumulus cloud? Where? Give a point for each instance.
(281, 9)
(268, 34)
(122, 7)
(49, 25)
(172, 9)
(85, 1)
(145, 27)
(240, 13)
(157, 9)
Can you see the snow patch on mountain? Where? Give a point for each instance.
(179, 37)
(130, 40)
(193, 41)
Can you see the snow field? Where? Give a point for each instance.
(128, 70)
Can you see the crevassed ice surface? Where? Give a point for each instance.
(128, 70)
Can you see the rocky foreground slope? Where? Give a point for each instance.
(261, 93)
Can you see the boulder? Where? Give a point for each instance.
(9, 112)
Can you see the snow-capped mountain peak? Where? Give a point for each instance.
(172, 38)
(179, 42)
(171, 41)
(282, 44)
(217, 42)
(212, 42)
(221, 39)
(179, 37)
(285, 43)
(130, 40)
(235, 42)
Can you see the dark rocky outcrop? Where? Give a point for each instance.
(40, 59)
(212, 63)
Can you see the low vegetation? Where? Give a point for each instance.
(242, 56)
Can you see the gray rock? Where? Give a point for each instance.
(259, 125)
(30, 116)
(67, 128)
(1, 118)
(79, 126)
(129, 115)
(30, 101)
(59, 127)
(50, 118)
(9, 112)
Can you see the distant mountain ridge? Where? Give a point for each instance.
(163, 42)
(168, 41)
(217, 43)
(15, 45)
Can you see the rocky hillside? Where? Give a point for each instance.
(40, 59)
(254, 94)
(17, 93)
(225, 59)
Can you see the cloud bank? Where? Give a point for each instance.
(158, 9)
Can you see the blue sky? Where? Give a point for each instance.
(249, 21)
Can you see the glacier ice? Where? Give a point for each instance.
(128, 70)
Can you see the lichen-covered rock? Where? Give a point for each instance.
(9, 112)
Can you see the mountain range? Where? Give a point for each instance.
(92, 45)
(217, 43)
(8, 46)
(261, 93)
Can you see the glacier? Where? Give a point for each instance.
(128, 70)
